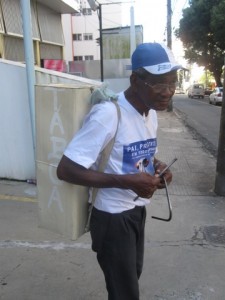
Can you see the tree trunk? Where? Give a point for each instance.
(217, 76)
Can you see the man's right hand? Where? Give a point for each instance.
(144, 184)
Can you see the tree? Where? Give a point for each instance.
(218, 24)
(202, 31)
(208, 79)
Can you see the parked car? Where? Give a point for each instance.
(208, 92)
(216, 96)
(196, 90)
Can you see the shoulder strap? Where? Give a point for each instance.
(102, 164)
(108, 149)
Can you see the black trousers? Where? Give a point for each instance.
(118, 240)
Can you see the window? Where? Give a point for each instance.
(77, 37)
(88, 57)
(78, 58)
(86, 11)
(88, 36)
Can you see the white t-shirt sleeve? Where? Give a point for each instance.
(98, 129)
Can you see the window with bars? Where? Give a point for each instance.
(88, 36)
(78, 58)
(77, 37)
(88, 57)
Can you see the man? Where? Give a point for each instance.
(130, 177)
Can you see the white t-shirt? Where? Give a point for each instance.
(133, 151)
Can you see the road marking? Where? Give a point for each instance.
(16, 198)
(44, 245)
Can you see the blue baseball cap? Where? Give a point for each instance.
(155, 58)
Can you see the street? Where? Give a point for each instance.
(184, 258)
(202, 119)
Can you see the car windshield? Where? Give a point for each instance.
(197, 86)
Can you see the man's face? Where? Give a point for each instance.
(155, 91)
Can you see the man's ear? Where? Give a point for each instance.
(133, 81)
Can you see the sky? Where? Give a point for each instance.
(152, 14)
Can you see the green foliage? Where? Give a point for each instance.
(202, 31)
(207, 79)
(218, 24)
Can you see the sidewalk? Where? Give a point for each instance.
(184, 258)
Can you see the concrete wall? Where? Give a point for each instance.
(112, 68)
(16, 146)
(118, 84)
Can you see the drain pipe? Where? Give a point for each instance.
(29, 58)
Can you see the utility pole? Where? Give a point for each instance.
(169, 40)
(29, 57)
(220, 168)
(95, 5)
(132, 32)
(169, 21)
(101, 41)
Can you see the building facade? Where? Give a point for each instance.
(47, 32)
(81, 30)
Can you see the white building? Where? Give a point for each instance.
(82, 29)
